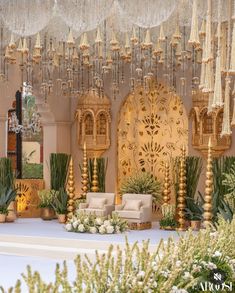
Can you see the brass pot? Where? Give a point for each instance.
(195, 225)
(61, 218)
(2, 218)
(47, 214)
(11, 216)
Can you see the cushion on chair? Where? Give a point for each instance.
(132, 205)
(97, 203)
(129, 214)
(97, 212)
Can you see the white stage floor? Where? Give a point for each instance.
(44, 243)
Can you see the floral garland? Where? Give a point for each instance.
(83, 222)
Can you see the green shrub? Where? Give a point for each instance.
(143, 183)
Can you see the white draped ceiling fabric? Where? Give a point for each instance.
(27, 17)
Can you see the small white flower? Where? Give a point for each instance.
(217, 254)
(154, 284)
(186, 275)
(98, 221)
(165, 273)
(110, 229)
(140, 275)
(102, 229)
(117, 229)
(178, 263)
(155, 268)
(211, 266)
(68, 227)
(196, 268)
(86, 220)
(107, 223)
(93, 230)
(81, 228)
(75, 224)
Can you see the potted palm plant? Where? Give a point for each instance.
(59, 205)
(46, 199)
(7, 195)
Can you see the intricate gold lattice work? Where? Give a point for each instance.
(151, 129)
(101, 124)
(207, 124)
(89, 124)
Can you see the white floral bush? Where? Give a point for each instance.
(83, 222)
(180, 266)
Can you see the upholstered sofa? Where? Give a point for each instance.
(100, 204)
(135, 208)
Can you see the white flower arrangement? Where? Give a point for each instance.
(82, 223)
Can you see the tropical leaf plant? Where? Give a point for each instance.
(143, 183)
(229, 182)
(60, 201)
(59, 163)
(226, 211)
(7, 195)
(102, 165)
(6, 173)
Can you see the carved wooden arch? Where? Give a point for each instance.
(102, 111)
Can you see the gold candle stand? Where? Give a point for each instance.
(166, 191)
(84, 173)
(70, 190)
(94, 182)
(207, 215)
(182, 193)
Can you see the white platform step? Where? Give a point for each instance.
(49, 247)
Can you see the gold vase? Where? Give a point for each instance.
(195, 225)
(2, 218)
(47, 214)
(11, 216)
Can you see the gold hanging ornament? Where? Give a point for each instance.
(70, 190)
(207, 215)
(182, 192)
(94, 182)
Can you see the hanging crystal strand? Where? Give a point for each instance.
(202, 34)
(223, 48)
(194, 36)
(226, 126)
(208, 59)
(232, 59)
(233, 118)
(217, 97)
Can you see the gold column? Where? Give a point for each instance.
(166, 192)
(70, 190)
(207, 215)
(94, 182)
(182, 192)
(84, 173)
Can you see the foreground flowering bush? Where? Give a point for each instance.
(83, 222)
(181, 266)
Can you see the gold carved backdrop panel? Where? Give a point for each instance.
(152, 128)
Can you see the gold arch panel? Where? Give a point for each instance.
(152, 128)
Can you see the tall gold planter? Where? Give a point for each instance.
(47, 214)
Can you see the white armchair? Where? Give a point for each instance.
(100, 204)
(135, 208)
